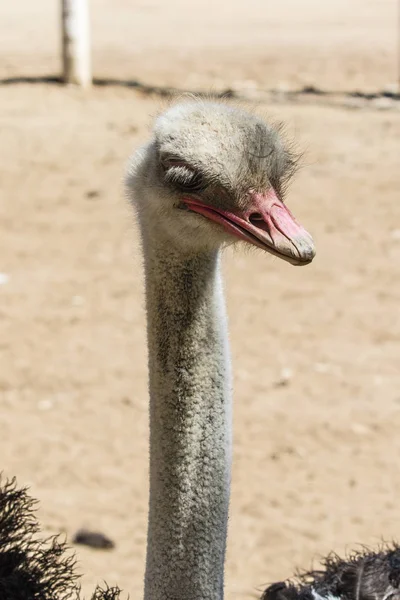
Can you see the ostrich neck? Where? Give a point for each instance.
(190, 425)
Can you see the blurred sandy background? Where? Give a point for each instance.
(315, 350)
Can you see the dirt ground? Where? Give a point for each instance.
(315, 350)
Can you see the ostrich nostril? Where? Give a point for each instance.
(255, 218)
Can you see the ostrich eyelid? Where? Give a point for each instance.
(169, 162)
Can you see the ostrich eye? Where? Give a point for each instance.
(182, 176)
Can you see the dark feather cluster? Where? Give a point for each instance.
(363, 575)
(35, 569)
(32, 568)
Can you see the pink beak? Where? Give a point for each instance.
(265, 222)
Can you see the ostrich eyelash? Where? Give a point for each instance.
(183, 176)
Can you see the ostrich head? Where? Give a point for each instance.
(213, 174)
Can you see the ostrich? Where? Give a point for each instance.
(212, 174)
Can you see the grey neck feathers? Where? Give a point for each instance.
(190, 424)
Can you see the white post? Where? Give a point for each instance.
(398, 47)
(76, 42)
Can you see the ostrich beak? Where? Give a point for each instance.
(265, 222)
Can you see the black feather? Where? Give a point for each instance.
(364, 575)
(32, 568)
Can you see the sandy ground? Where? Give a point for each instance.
(315, 350)
(345, 44)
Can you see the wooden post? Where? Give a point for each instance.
(398, 47)
(76, 42)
